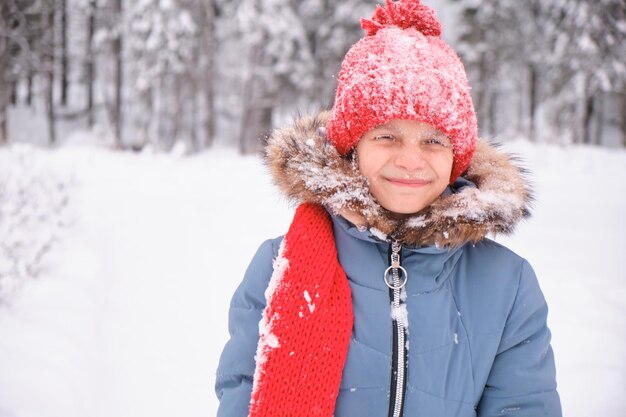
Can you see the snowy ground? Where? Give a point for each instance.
(129, 317)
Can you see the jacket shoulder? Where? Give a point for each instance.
(494, 248)
(233, 383)
(491, 261)
(492, 284)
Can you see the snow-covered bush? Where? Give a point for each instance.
(33, 207)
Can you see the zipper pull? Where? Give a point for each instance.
(392, 273)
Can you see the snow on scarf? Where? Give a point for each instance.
(306, 326)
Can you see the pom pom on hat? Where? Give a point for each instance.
(403, 14)
(403, 69)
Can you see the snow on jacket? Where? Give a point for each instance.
(477, 344)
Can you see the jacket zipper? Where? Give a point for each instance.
(396, 278)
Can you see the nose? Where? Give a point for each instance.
(410, 158)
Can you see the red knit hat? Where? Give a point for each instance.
(403, 69)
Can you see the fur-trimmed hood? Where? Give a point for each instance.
(307, 168)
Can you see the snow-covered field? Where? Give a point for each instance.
(130, 313)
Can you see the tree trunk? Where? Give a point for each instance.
(4, 57)
(256, 119)
(64, 53)
(533, 86)
(623, 115)
(519, 117)
(117, 53)
(157, 113)
(161, 117)
(146, 116)
(50, 114)
(588, 111)
(481, 97)
(208, 29)
(49, 68)
(258, 124)
(193, 119)
(599, 127)
(177, 112)
(492, 111)
(29, 88)
(579, 121)
(13, 92)
(89, 62)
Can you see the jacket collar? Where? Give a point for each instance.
(491, 197)
(431, 266)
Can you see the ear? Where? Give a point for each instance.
(351, 156)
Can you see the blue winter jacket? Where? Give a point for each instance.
(477, 343)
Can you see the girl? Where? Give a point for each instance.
(385, 297)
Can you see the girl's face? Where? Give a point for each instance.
(407, 163)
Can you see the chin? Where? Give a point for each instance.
(405, 210)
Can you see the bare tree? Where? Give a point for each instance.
(10, 31)
(256, 121)
(623, 114)
(62, 9)
(117, 56)
(4, 58)
(48, 45)
(89, 61)
(599, 101)
(207, 12)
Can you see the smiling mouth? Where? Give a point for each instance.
(403, 182)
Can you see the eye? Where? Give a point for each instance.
(437, 141)
(384, 137)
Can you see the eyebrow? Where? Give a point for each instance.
(429, 131)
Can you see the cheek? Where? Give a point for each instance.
(443, 167)
(371, 160)
(366, 162)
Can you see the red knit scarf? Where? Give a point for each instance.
(306, 325)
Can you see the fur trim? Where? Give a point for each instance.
(307, 168)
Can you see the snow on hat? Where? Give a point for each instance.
(402, 69)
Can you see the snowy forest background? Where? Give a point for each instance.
(132, 197)
(157, 72)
